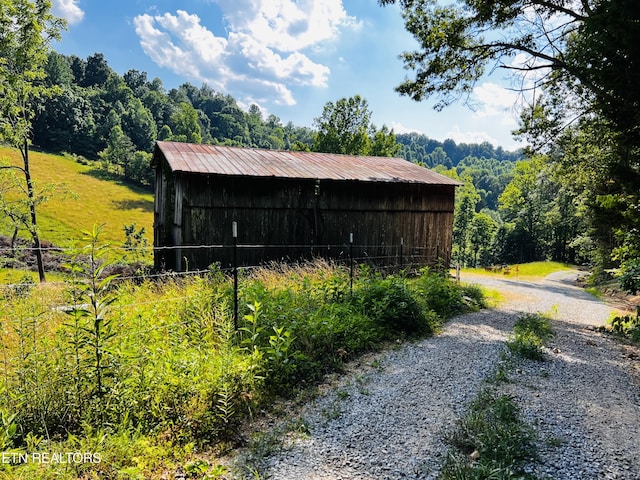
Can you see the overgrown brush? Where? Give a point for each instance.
(159, 364)
(627, 326)
(390, 302)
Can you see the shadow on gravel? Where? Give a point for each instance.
(390, 421)
(584, 404)
(552, 286)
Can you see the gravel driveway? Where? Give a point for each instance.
(387, 419)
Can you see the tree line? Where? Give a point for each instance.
(577, 67)
(573, 197)
(98, 115)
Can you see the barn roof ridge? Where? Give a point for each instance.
(257, 162)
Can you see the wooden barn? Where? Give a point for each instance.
(289, 205)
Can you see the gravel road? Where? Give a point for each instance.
(388, 417)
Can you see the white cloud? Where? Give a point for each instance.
(480, 136)
(180, 43)
(193, 37)
(295, 68)
(264, 48)
(459, 136)
(399, 128)
(496, 101)
(69, 10)
(287, 25)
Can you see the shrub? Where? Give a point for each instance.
(627, 326)
(530, 333)
(439, 293)
(161, 363)
(390, 303)
(630, 277)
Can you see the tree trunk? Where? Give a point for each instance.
(32, 208)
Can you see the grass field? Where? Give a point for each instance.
(527, 270)
(94, 199)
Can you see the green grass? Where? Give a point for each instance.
(13, 276)
(156, 371)
(492, 441)
(526, 270)
(95, 200)
(531, 331)
(492, 297)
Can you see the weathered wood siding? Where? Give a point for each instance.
(293, 217)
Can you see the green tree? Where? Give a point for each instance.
(459, 40)
(439, 157)
(583, 56)
(466, 202)
(137, 82)
(345, 127)
(526, 202)
(230, 124)
(186, 127)
(26, 28)
(165, 133)
(119, 151)
(384, 143)
(58, 70)
(65, 122)
(97, 71)
(139, 125)
(482, 231)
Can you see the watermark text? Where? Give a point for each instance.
(17, 458)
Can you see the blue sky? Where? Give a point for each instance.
(289, 57)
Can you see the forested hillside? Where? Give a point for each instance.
(419, 148)
(512, 208)
(99, 116)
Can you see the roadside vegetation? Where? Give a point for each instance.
(530, 334)
(492, 440)
(625, 327)
(148, 375)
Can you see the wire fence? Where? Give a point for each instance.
(350, 256)
(198, 259)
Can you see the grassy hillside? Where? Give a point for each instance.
(95, 200)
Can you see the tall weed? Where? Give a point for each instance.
(390, 303)
(438, 293)
(92, 329)
(158, 363)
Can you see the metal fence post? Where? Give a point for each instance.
(351, 263)
(401, 245)
(234, 233)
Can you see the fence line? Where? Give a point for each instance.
(406, 257)
(150, 249)
(49, 311)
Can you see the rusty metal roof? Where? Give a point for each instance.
(236, 161)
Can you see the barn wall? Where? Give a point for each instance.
(286, 212)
